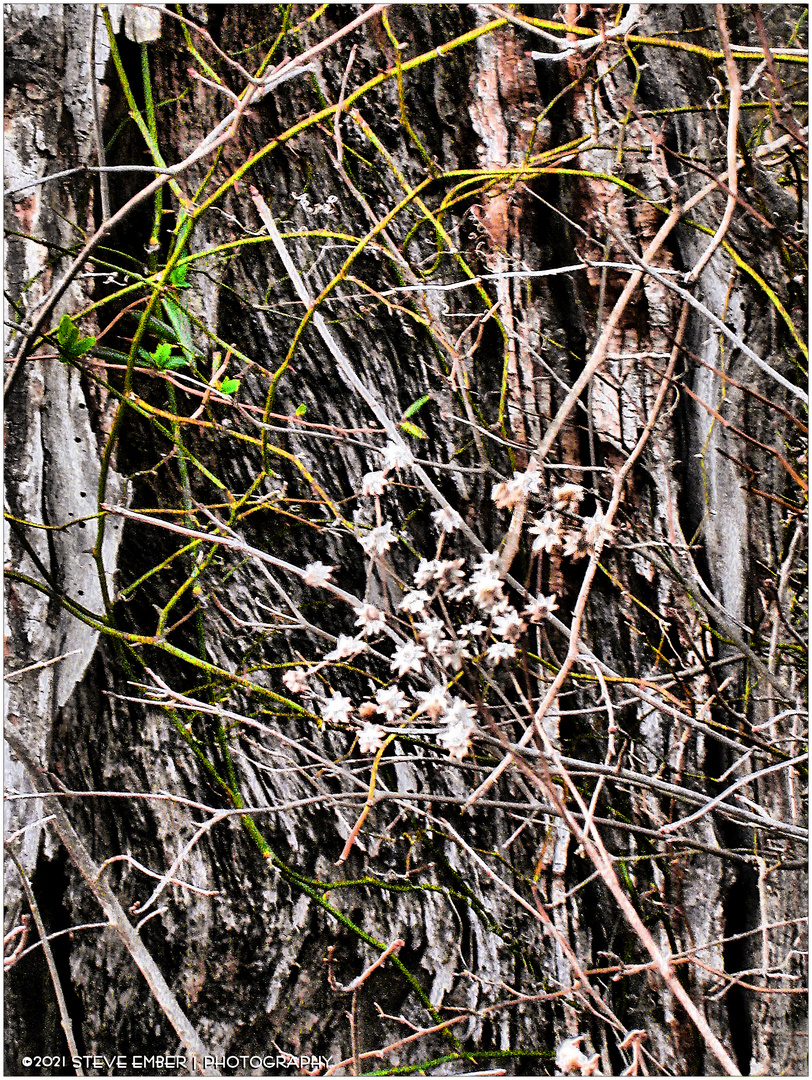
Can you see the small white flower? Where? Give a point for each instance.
(540, 608)
(378, 540)
(452, 653)
(346, 646)
(370, 620)
(407, 658)
(461, 713)
(458, 592)
(373, 483)
(488, 563)
(435, 701)
(391, 702)
(547, 533)
(338, 708)
(446, 519)
(568, 497)
(509, 626)
(487, 590)
(506, 494)
(396, 456)
(472, 629)
(501, 650)
(456, 739)
(414, 601)
(574, 545)
(430, 632)
(448, 574)
(316, 573)
(425, 572)
(370, 738)
(530, 480)
(296, 680)
(596, 530)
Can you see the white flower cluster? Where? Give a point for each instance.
(549, 531)
(436, 643)
(441, 645)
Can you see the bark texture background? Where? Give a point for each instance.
(698, 603)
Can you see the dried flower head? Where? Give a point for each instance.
(370, 738)
(446, 519)
(568, 497)
(506, 494)
(408, 657)
(316, 573)
(414, 601)
(378, 540)
(391, 701)
(370, 619)
(430, 632)
(597, 530)
(396, 456)
(337, 709)
(547, 532)
(487, 589)
(540, 608)
(509, 626)
(456, 738)
(501, 650)
(452, 653)
(295, 679)
(346, 647)
(373, 483)
(460, 712)
(446, 572)
(435, 701)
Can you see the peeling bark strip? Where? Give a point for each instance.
(406, 537)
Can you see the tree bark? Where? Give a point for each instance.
(476, 166)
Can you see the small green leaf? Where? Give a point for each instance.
(178, 276)
(67, 333)
(416, 405)
(180, 324)
(160, 357)
(301, 410)
(175, 363)
(82, 346)
(413, 429)
(229, 386)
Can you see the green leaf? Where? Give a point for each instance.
(174, 363)
(229, 386)
(301, 410)
(67, 333)
(180, 324)
(178, 276)
(416, 405)
(82, 346)
(160, 357)
(413, 429)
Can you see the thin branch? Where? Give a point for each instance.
(65, 1018)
